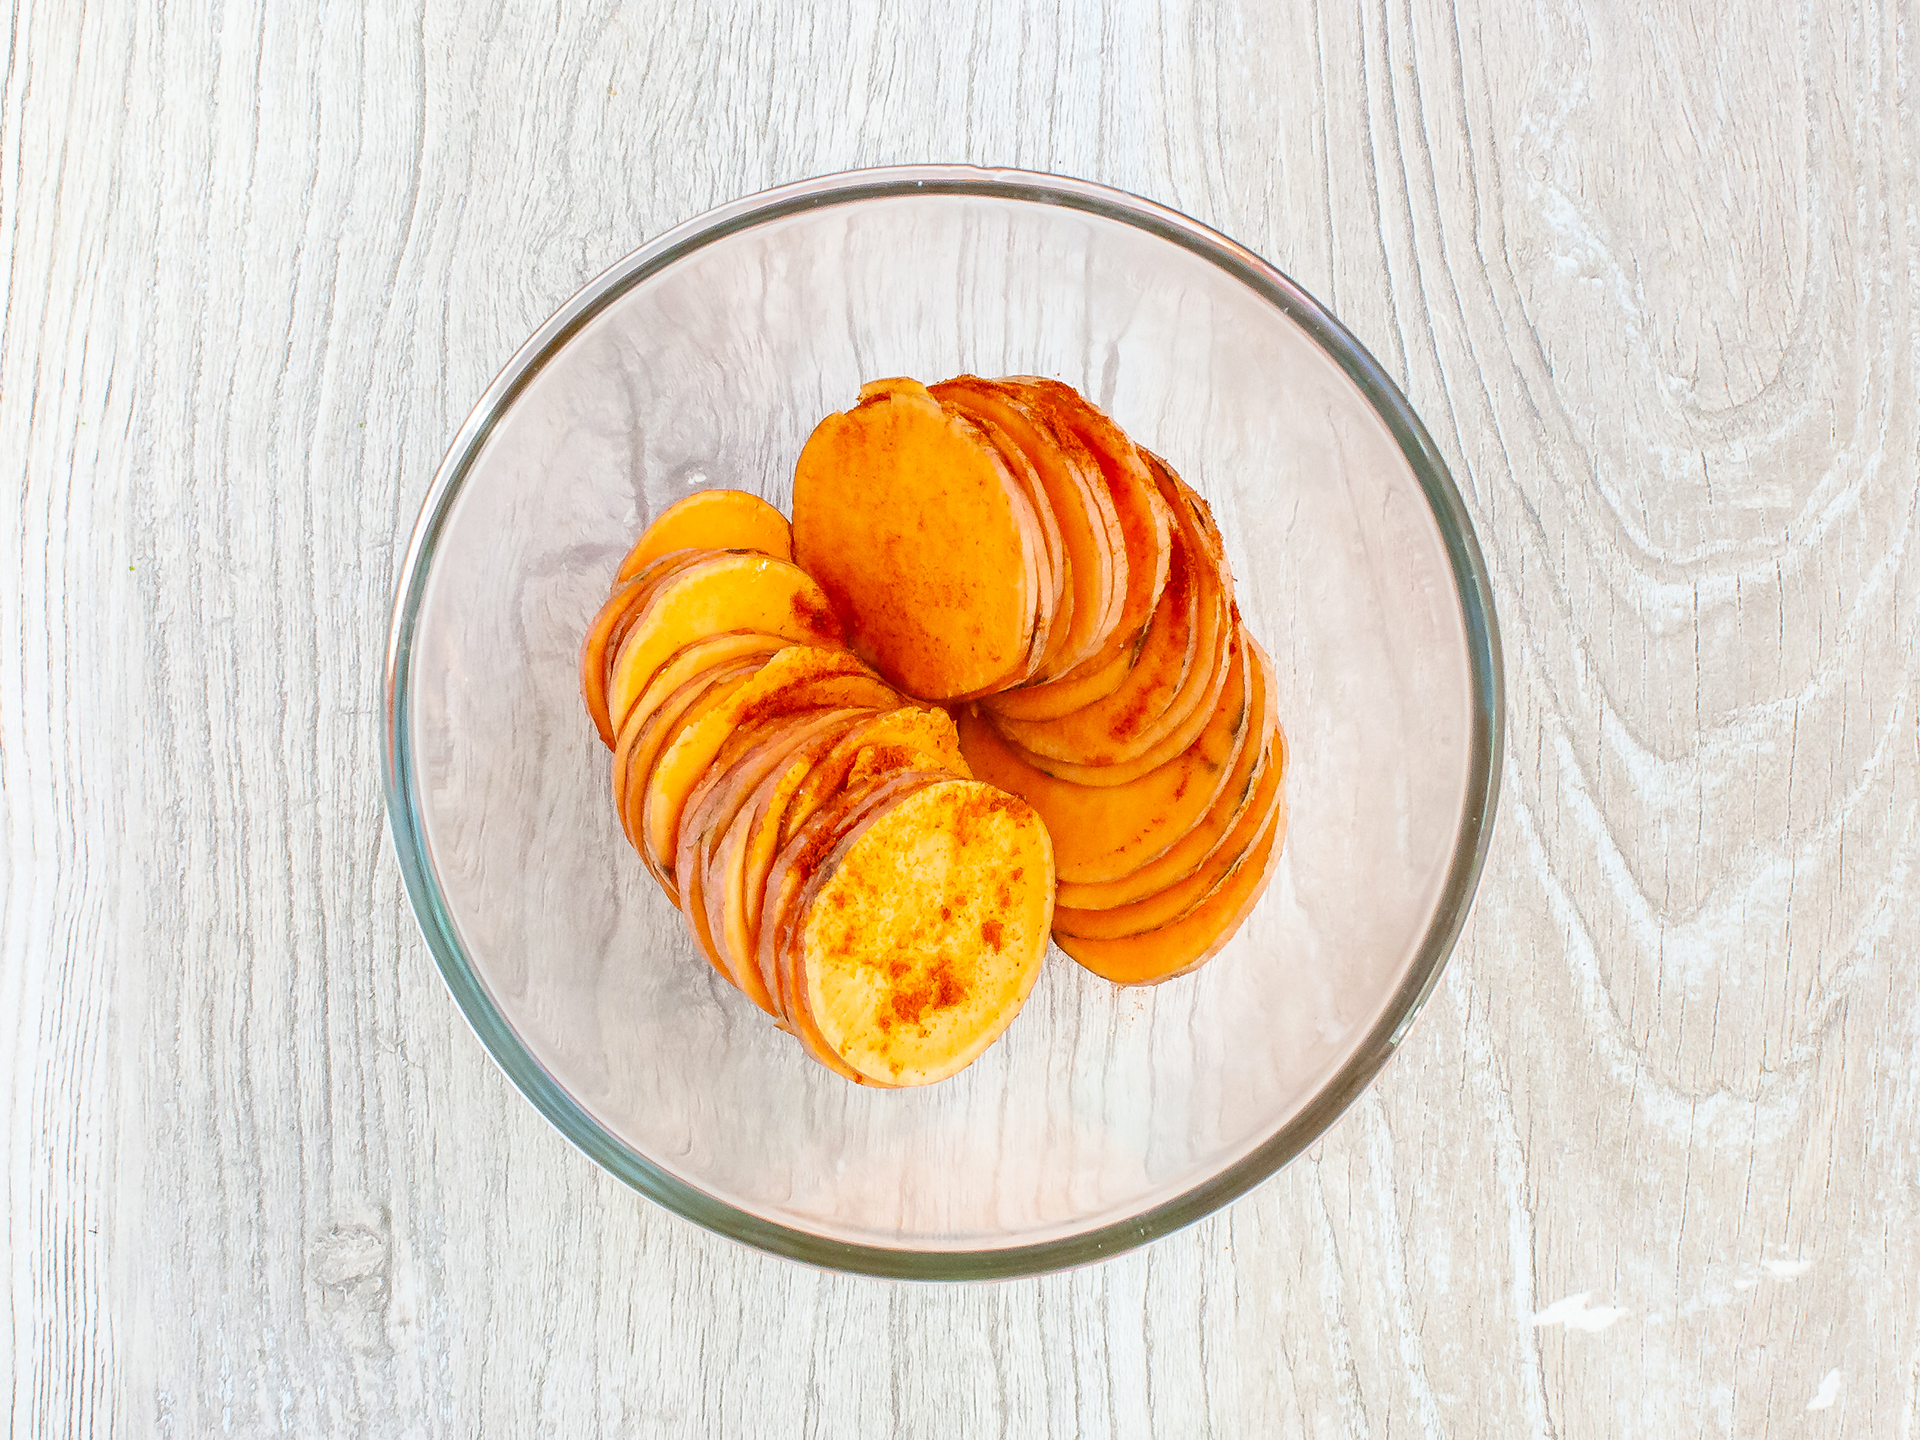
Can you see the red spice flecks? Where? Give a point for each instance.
(820, 620)
(940, 990)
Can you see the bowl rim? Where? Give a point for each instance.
(1472, 588)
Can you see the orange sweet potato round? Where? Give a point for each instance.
(625, 603)
(719, 592)
(917, 940)
(911, 523)
(1208, 679)
(743, 860)
(907, 738)
(1119, 726)
(642, 741)
(711, 810)
(1164, 906)
(1102, 833)
(1081, 507)
(1197, 936)
(1185, 855)
(712, 520)
(801, 856)
(796, 678)
(1145, 521)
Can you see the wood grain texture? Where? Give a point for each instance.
(1647, 271)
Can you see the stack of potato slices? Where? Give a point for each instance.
(1001, 546)
(821, 833)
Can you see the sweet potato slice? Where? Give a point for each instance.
(1058, 698)
(1083, 481)
(707, 653)
(609, 629)
(791, 882)
(712, 808)
(718, 593)
(1044, 545)
(1102, 833)
(712, 839)
(739, 862)
(1185, 855)
(913, 526)
(712, 520)
(920, 937)
(798, 858)
(1119, 726)
(1081, 509)
(642, 741)
(1165, 906)
(875, 745)
(797, 678)
(1190, 508)
(1210, 680)
(908, 738)
(1197, 936)
(1145, 520)
(1145, 709)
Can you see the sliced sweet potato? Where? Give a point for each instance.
(642, 741)
(1106, 537)
(1081, 508)
(1102, 833)
(1144, 710)
(794, 679)
(718, 593)
(1062, 697)
(712, 808)
(609, 628)
(1188, 506)
(1124, 723)
(1197, 936)
(1144, 517)
(1044, 547)
(920, 936)
(712, 520)
(707, 653)
(1165, 906)
(658, 731)
(906, 738)
(1185, 855)
(790, 883)
(798, 858)
(913, 526)
(739, 863)
(1210, 680)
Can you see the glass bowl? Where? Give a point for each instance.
(1106, 1116)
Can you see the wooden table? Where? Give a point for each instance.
(1650, 1164)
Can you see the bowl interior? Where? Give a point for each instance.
(1100, 1104)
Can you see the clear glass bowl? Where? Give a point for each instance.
(1105, 1117)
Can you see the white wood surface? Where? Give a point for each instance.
(1649, 271)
